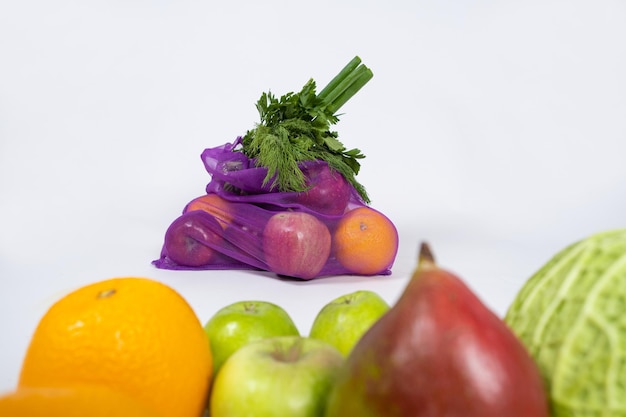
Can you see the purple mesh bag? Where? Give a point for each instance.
(242, 223)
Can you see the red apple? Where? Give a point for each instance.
(296, 244)
(329, 191)
(188, 237)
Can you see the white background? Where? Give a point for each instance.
(494, 130)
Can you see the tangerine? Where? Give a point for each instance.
(136, 335)
(215, 205)
(365, 241)
(77, 401)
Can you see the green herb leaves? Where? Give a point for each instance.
(296, 128)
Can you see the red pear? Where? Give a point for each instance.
(438, 352)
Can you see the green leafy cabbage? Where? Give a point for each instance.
(571, 315)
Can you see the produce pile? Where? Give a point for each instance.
(133, 347)
(284, 197)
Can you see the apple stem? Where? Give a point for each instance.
(291, 354)
(249, 307)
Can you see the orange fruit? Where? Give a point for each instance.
(365, 241)
(215, 205)
(78, 401)
(135, 335)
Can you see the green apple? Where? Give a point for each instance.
(280, 376)
(240, 323)
(345, 319)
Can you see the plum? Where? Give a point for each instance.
(328, 192)
(188, 239)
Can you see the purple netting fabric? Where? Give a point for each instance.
(240, 223)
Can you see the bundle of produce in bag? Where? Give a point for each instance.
(284, 198)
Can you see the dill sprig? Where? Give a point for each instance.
(297, 127)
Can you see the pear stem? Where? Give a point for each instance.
(425, 259)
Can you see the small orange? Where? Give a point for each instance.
(78, 401)
(215, 205)
(135, 335)
(365, 241)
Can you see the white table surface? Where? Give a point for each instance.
(494, 130)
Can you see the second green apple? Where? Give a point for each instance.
(345, 319)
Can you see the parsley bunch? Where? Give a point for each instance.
(297, 128)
